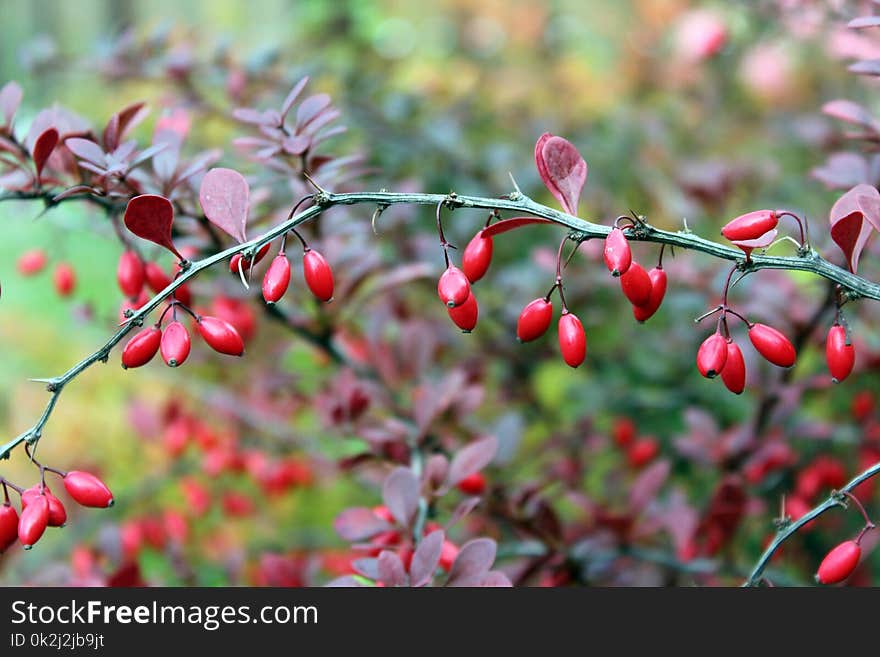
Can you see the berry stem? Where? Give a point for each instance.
(801, 225)
(868, 523)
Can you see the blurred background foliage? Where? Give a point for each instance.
(441, 96)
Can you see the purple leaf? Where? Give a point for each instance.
(648, 484)
(255, 117)
(359, 524)
(43, 148)
(842, 171)
(495, 578)
(123, 122)
(473, 561)
(367, 567)
(150, 216)
(562, 169)
(865, 67)
(391, 570)
(146, 154)
(400, 493)
(426, 557)
(436, 469)
(846, 110)
(472, 458)
(292, 96)
(297, 145)
(87, 150)
(464, 507)
(849, 230)
(10, 99)
(864, 21)
(201, 162)
(225, 196)
(310, 108)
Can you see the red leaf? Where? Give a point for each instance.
(472, 458)
(225, 196)
(509, 224)
(562, 169)
(849, 230)
(10, 99)
(150, 216)
(43, 148)
(123, 122)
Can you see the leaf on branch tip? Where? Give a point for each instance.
(852, 218)
(150, 216)
(225, 198)
(43, 148)
(562, 169)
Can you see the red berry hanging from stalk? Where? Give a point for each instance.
(246, 263)
(658, 290)
(86, 489)
(534, 320)
(31, 262)
(477, 256)
(57, 512)
(453, 287)
(636, 284)
(175, 344)
(33, 521)
(839, 353)
(750, 226)
(772, 345)
(712, 356)
(839, 563)
(572, 339)
(465, 316)
(64, 279)
(130, 274)
(8, 526)
(734, 372)
(276, 279)
(141, 348)
(221, 336)
(618, 255)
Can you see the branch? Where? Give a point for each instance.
(837, 498)
(516, 202)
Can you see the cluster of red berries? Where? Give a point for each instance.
(33, 262)
(316, 271)
(41, 509)
(640, 451)
(644, 289)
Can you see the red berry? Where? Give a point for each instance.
(86, 489)
(238, 313)
(772, 345)
(624, 431)
(277, 279)
(712, 356)
(246, 263)
(618, 256)
(477, 257)
(658, 290)
(31, 262)
(572, 339)
(33, 521)
(8, 526)
(175, 344)
(130, 274)
(642, 452)
(473, 484)
(382, 512)
(318, 275)
(221, 336)
(750, 226)
(636, 284)
(534, 320)
(57, 512)
(465, 315)
(64, 279)
(448, 553)
(157, 279)
(453, 287)
(734, 372)
(840, 356)
(142, 347)
(839, 563)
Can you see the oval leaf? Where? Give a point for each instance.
(87, 150)
(473, 561)
(292, 96)
(359, 524)
(426, 558)
(400, 492)
(509, 224)
(150, 216)
(846, 110)
(391, 570)
(224, 196)
(43, 148)
(849, 230)
(562, 169)
(10, 99)
(472, 458)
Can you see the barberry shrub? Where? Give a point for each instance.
(317, 415)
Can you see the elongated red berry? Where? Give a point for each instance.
(534, 320)
(221, 336)
(64, 278)
(130, 274)
(86, 489)
(465, 316)
(141, 348)
(772, 345)
(750, 226)
(642, 452)
(246, 262)
(473, 484)
(839, 355)
(155, 277)
(712, 356)
(734, 372)
(8, 526)
(636, 284)
(572, 339)
(839, 563)
(33, 521)
(477, 257)
(618, 255)
(175, 344)
(658, 290)
(277, 279)
(318, 275)
(57, 512)
(31, 262)
(453, 287)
